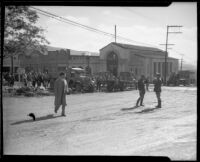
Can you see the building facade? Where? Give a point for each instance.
(114, 58)
(117, 57)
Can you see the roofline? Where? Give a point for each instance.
(146, 56)
(118, 44)
(106, 46)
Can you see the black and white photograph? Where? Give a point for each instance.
(100, 80)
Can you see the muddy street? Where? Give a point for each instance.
(104, 124)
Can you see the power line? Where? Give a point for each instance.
(72, 22)
(150, 19)
(59, 18)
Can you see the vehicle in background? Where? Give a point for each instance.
(78, 81)
(111, 83)
(184, 78)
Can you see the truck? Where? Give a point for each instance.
(78, 81)
(111, 83)
(180, 78)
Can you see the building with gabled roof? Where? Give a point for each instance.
(118, 57)
(115, 58)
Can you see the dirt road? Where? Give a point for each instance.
(104, 124)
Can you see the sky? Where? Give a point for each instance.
(146, 26)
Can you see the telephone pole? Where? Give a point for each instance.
(166, 48)
(182, 61)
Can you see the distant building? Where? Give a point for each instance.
(117, 57)
(114, 58)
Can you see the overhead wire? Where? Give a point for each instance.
(59, 18)
(65, 20)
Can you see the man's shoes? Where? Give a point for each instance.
(63, 115)
(141, 105)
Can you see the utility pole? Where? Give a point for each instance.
(115, 34)
(181, 63)
(166, 48)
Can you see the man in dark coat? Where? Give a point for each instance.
(141, 88)
(157, 89)
(60, 90)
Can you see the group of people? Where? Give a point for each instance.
(36, 79)
(157, 89)
(9, 78)
(61, 89)
(101, 80)
(29, 79)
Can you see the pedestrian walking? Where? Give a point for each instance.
(157, 89)
(60, 90)
(141, 88)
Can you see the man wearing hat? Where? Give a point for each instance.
(60, 90)
(141, 88)
(157, 89)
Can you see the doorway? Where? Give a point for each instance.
(112, 63)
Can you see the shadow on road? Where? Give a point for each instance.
(130, 108)
(147, 110)
(50, 116)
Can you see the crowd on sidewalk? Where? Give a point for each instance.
(29, 79)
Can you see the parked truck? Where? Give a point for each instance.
(78, 81)
(111, 83)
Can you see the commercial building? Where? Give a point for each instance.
(114, 58)
(117, 57)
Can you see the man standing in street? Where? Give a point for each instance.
(141, 88)
(157, 89)
(60, 90)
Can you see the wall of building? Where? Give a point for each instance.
(84, 61)
(123, 58)
(129, 60)
(7, 64)
(53, 62)
(139, 62)
(158, 66)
